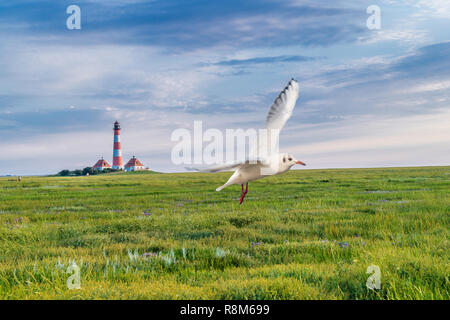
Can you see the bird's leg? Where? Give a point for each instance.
(243, 193)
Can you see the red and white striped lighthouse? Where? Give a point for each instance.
(117, 150)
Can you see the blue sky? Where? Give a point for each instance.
(368, 98)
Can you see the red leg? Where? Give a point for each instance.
(243, 193)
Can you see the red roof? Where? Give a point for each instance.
(101, 164)
(134, 162)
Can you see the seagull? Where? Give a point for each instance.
(263, 162)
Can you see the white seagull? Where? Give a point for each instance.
(270, 163)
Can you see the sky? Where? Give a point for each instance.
(368, 97)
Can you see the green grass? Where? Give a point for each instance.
(287, 241)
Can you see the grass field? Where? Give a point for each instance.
(307, 234)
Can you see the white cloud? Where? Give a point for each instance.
(428, 87)
(377, 141)
(141, 76)
(438, 8)
(411, 37)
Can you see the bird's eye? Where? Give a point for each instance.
(290, 159)
(284, 159)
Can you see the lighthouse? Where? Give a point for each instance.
(117, 150)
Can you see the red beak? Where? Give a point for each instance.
(302, 163)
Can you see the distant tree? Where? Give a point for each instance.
(89, 170)
(64, 173)
(85, 171)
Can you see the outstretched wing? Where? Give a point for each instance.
(279, 113)
(282, 107)
(230, 166)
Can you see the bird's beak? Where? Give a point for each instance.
(302, 163)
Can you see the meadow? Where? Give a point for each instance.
(307, 234)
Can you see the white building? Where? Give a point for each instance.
(134, 165)
(101, 164)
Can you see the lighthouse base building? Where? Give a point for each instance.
(101, 165)
(134, 165)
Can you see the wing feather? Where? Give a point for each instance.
(279, 113)
(282, 107)
(230, 166)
